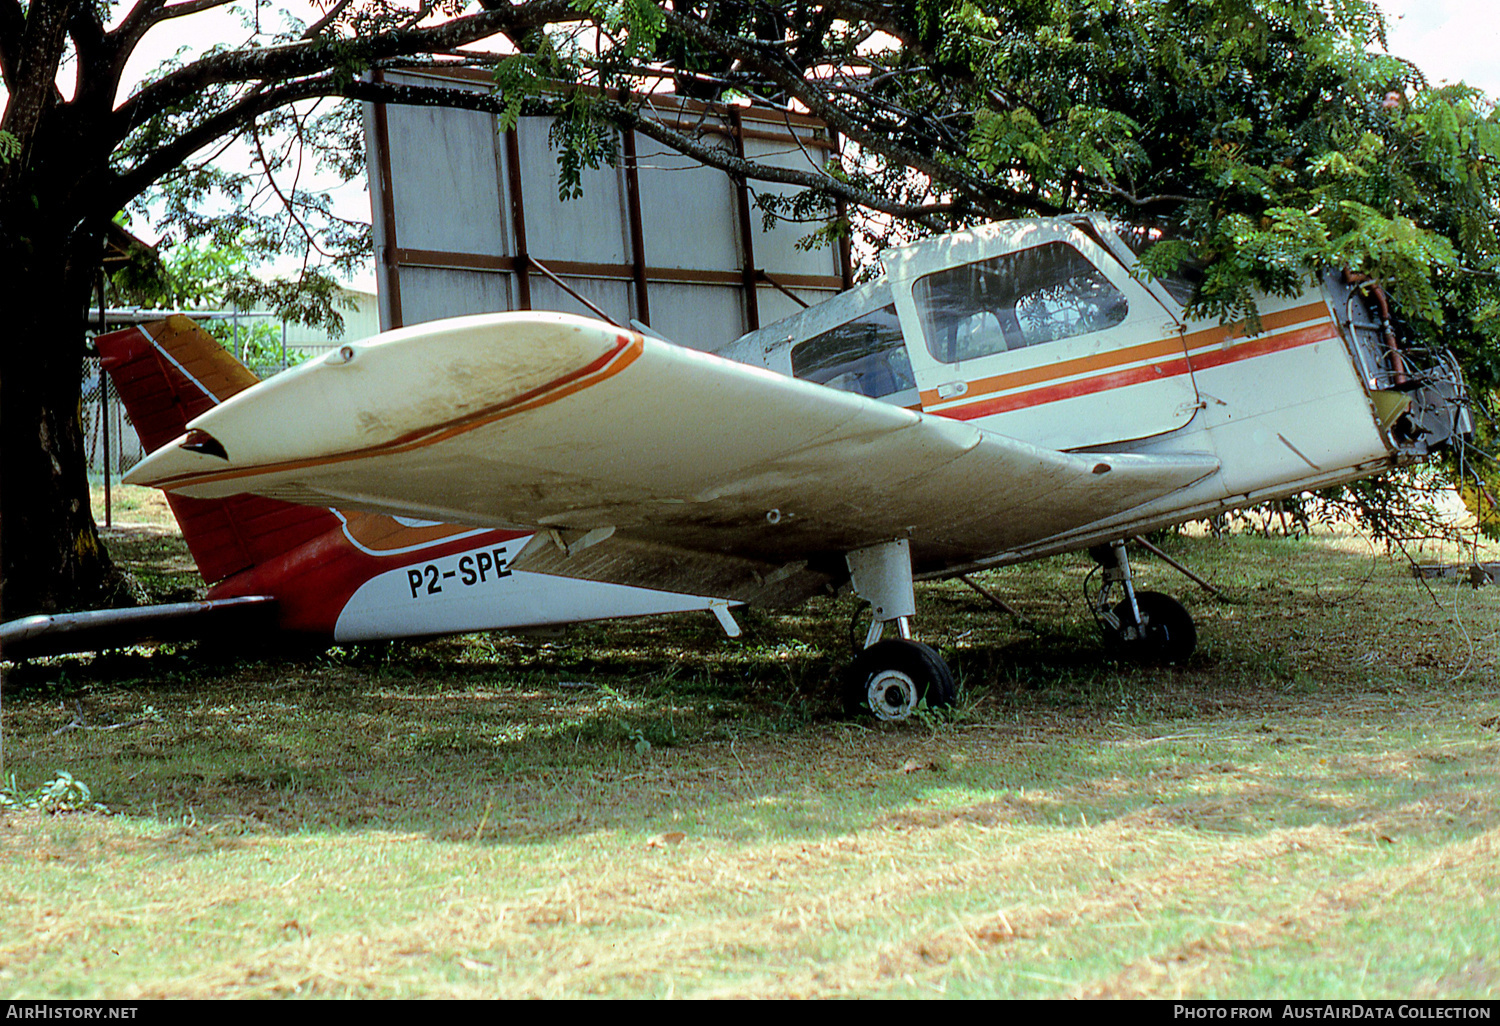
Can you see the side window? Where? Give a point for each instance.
(1019, 299)
(867, 356)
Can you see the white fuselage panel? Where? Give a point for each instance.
(477, 591)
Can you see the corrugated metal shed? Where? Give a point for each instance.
(468, 220)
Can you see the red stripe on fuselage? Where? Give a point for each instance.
(1200, 359)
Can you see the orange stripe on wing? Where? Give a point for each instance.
(625, 352)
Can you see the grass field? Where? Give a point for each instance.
(1309, 808)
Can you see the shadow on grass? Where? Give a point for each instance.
(650, 725)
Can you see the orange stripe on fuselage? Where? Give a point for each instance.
(625, 352)
(1269, 323)
(1197, 347)
(1262, 345)
(1064, 369)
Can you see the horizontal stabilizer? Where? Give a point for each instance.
(167, 374)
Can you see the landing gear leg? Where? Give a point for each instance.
(1147, 625)
(892, 678)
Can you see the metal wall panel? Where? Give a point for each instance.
(774, 305)
(697, 316)
(588, 229)
(430, 293)
(688, 213)
(445, 176)
(468, 220)
(778, 248)
(612, 297)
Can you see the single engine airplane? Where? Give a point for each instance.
(997, 395)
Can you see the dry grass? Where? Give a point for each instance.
(131, 506)
(1308, 809)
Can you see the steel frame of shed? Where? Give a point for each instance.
(524, 255)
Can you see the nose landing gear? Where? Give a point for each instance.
(890, 679)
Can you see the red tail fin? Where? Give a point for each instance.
(167, 373)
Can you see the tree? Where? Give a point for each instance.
(69, 161)
(1268, 137)
(201, 275)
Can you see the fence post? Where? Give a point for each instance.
(104, 403)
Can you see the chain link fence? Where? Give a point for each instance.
(109, 441)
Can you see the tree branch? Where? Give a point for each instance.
(316, 56)
(754, 53)
(128, 31)
(329, 58)
(166, 12)
(878, 18)
(1139, 201)
(32, 87)
(626, 117)
(229, 121)
(144, 16)
(316, 28)
(91, 48)
(713, 156)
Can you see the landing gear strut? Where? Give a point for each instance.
(891, 679)
(1145, 625)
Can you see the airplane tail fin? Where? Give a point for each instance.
(167, 374)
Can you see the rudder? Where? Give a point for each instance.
(167, 374)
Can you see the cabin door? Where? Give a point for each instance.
(1033, 330)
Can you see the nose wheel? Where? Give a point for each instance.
(1165, 634)
(1145, 625)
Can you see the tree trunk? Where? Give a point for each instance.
(51, 558)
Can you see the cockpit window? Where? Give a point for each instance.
(1014, 300)
(867, 356)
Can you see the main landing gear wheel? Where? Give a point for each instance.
(1166, 634)
(891, 678)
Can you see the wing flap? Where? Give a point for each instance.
(665, 567)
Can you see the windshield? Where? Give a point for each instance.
(1014, 300)
(1183, 282)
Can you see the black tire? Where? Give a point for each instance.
(1170, 637)
(891, 678)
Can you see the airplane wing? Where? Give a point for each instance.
(640, 462)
